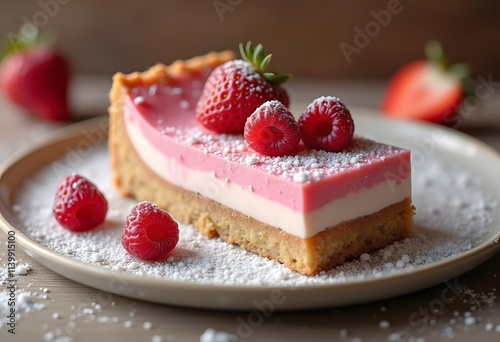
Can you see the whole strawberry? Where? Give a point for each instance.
(36, 78)
(428, 90)
(236, 88)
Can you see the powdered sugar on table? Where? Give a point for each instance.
(453, 216)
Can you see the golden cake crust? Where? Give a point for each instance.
(308, 256)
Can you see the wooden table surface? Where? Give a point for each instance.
(74, 312)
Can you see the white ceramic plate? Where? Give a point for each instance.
(425, 140)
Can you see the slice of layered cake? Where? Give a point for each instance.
(309, 209)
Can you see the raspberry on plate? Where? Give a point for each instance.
(79, 206)
(326, 124)
(150, 233)
(272, 130)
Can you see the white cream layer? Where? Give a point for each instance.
(303, 225)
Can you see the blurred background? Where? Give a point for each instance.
(307, 38)
(348, 49)
(343, 48)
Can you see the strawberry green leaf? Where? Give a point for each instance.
(258, 59)
(434, 53)
(460, 70)
(462, 73)
(265, 62)
(258, 56)
(243, 52)
(275, 78)
(249, 49)
(246, 52)
(20, 41)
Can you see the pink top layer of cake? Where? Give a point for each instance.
(304, 182)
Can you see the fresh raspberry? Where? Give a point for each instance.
(236, 88)
(272, 130)
(326, 124)
(79, 206)
(150, 233)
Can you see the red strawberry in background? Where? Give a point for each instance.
(36, 77)
(236, 88)
(426, 90)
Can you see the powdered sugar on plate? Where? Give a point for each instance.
(453, 216)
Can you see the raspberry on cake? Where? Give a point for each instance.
(310, 210)
(326, 124)
(272, 130)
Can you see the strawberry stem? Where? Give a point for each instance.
(434, 53)
(23, 41)
(260, 61)
(460, 70)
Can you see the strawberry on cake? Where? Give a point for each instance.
(211, 141)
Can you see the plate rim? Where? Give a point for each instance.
(38, 252)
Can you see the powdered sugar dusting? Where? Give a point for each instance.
(26, 301)
(313, 163)
(453, 216)
(301, 177)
